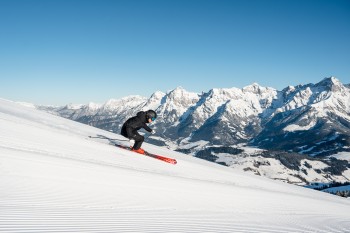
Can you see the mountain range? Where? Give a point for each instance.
(311, 120)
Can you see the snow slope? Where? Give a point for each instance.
(54, 178)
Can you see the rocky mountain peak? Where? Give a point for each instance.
(131, 101)
(154, 101)
(288, 89)
(73, 106)
(157, 95)
(180, 92)
(182, 97)
(331, 84)
(254, 88)
(93, 106)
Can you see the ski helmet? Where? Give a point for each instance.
(150, 114)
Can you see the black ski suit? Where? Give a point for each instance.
(130, 127)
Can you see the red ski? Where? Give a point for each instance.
(159, 157)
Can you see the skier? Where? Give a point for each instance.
(130, 127)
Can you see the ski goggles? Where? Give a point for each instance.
(153, 118)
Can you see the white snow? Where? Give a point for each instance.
(185, 144)
(54, 178)
(294, 127)
(29, 105)
(342, 156)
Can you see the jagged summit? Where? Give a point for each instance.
(157, 95)
(180, 97)
(254, 87)
(180, 92)
(179, 88)
(332, 84)
(331, 80)
(93, 106)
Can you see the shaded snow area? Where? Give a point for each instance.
(54, 178)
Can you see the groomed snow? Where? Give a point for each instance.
(54, 178)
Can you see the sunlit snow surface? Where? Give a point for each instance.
(54, 178)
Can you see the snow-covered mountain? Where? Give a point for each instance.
(312, 119)
(55, 178)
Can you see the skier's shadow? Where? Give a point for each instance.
(111, 140)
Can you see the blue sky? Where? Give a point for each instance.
(70, 51)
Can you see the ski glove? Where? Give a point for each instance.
(153, 132)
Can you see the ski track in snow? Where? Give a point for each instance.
(54, 178)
